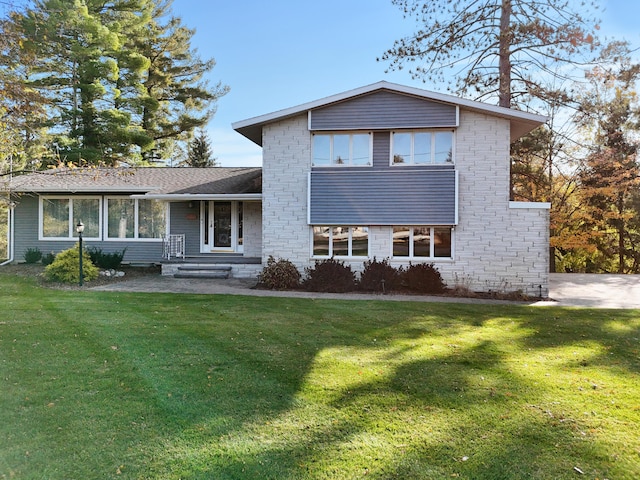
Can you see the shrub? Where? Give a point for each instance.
(48, 258)
(279, 275)
(330, 276)
(107, 261)
(379, 276)
(423, 278)
(65, 267)
(32, 255)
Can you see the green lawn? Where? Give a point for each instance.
(98, 385)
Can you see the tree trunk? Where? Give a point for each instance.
(504, 86)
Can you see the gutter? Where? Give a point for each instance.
(10, 234)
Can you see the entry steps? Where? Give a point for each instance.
(203, 271)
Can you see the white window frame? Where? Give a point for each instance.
(433, 147)
(72, 234)
(431, 243)
(331, 136)
(135, 237)
(350, 242)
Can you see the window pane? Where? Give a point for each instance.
(444, 151)
(401, 148)
(341, 149)
(320, 241)
(401, 241)
(321, 149)
(360, 150)
(151, 218)
(360, 241)
(87, 210)
(422, 242)
(121, 218)
(422, 148)
(55, 217)
(340, 241)
(442, 242)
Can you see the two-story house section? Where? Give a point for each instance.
(389, 171)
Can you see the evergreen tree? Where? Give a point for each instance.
(199, 154)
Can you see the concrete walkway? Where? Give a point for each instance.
(566, 290)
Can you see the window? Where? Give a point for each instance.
(59, 217)
(340, 241)
(421, 148)
(422, 242)
(129, 218)
(342, 149)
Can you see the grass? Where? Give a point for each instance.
(155, 386)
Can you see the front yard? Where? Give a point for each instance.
(156, 386)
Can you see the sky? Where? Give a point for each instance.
(276, 54)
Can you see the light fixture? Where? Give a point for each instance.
(80, 229)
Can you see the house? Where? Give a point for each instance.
(383, 171)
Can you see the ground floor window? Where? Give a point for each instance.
(59, 217)
(129, 218)
(422, 242)
(340, 241)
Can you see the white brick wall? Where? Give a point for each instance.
(252, 229)
(495, 247)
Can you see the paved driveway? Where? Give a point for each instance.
(594, 290)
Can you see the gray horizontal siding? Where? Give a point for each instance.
(398, 196)
(384, 110)
(181, 221)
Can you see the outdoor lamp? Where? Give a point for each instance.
(80, 229)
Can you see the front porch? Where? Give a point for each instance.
(215, 265)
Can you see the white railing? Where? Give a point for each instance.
(173, 246)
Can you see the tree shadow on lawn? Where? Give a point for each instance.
(284, 388)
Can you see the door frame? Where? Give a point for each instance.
(207, 227)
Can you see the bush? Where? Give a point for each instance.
(279, 275)
(48, 258)
(65, 267)
(107, 261)
(330, 276)
(379, 276)
(32, 255)
(423, 278)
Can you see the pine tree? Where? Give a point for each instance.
(199, 154)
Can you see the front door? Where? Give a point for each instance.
(221, 226)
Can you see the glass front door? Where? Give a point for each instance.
(221, 226)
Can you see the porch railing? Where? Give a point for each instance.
(173, 246)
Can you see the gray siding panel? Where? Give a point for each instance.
(396, 196)
(185, 220)
(384, 110)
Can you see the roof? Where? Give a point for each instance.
(157, 181)
(521, 122)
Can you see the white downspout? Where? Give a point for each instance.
(10, 234)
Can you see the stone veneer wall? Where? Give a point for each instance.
(498, 245)
(252, 229)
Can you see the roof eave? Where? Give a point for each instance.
(201, 196)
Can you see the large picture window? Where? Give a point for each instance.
(421, 148)
(422, 242)
(59, 217)
(342, 149)
(340, 241)
(129, 218)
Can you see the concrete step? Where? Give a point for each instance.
(204, 268)
(212, 274)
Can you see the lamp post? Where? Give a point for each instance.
(80, 229)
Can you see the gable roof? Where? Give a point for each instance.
(521, 122)
(159, 182)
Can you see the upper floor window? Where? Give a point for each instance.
(60, 215)
(422, 147)
(342, 149)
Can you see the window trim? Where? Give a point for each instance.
(72, 234)
(331, 135)
(431, 256)
(136, 223)
(350, 242)
(433, 144)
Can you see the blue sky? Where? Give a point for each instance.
(280, 53)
